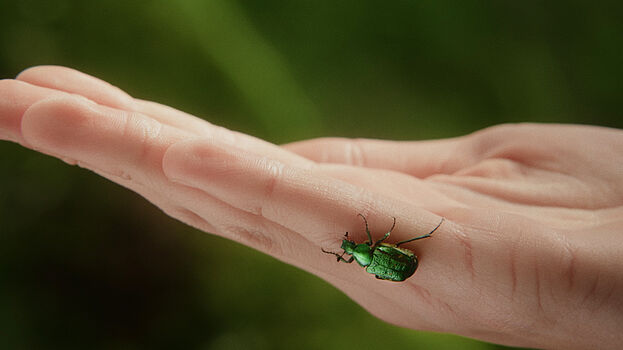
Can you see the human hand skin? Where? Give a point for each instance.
(530, 253)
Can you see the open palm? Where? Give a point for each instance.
(529, 253)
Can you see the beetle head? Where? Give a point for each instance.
(348, 245)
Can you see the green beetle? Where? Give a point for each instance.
(386, 261)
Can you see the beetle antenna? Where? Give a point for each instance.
(367, 230)
(324, 251)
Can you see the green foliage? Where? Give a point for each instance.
(86, 264)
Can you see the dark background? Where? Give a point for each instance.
(86, 264)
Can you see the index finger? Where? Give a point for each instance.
(63, 79)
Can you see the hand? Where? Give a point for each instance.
(529, 253)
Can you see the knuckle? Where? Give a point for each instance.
(273, 172)
(144, 131)
(354, 153)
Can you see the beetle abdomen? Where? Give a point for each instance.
(392, 263)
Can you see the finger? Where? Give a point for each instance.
(417, 158)
(302, 199)
(223, 135)
(175, 118)
(73, 81)
(15, 98)
(123, 144)
(127, 148)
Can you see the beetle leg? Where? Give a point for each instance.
(381, 240)
(352, 258)
(422, 236)
(324, 251)
(386, 235)
(339, 258)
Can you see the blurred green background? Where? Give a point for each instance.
(86, 264)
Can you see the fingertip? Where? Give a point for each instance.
(15, 98)
(76, 82)
(10, 110)
(26, 72)
(55, 123)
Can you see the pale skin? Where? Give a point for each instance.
(530, 252)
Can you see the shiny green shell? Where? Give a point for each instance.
(392, 263)
(384, 260)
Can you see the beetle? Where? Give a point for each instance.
(386, 261)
